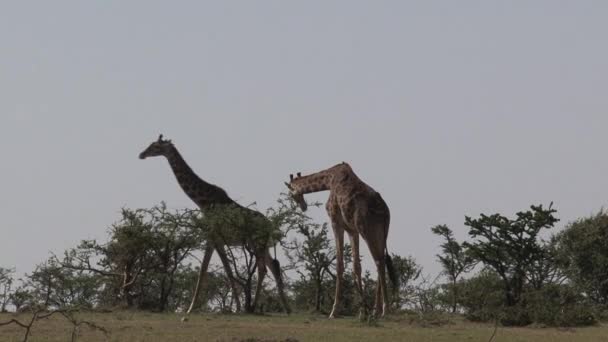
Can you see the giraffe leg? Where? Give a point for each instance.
(275, 269)
(201, 279)
(261, 264)
(354, 243)
(382, 284)
(226, 263)
(339, 235)
(378, 302)
(377, 251)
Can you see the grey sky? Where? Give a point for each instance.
(448, 108)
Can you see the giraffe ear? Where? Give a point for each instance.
(288, 186)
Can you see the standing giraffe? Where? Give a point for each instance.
(356, 208)
(205, 196)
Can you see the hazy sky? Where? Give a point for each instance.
(448, 108)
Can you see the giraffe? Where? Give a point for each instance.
(207, 196)
(357, 209)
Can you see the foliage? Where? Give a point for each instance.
(146, 263)
(138, 264)
(230, 224)
(454, 258)
(427, 296)
(560, 305)
(53, 286)
(21, 298)
(314, 259)
(6, 282)
(247, 233)
(554, 304)
(583, 247)
(481, 296)
(550, 266)
(245, 266)
(218, 292)
(407, 270)
(509, 246)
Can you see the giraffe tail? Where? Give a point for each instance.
(276, 269)
(392, 273)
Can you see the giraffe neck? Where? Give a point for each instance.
(202, 193)
(328, 179)
(315, 182)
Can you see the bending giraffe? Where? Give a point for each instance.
(206, 195)
(357, 209)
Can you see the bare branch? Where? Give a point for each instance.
(39, 314)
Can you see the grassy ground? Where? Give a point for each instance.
(131, 326)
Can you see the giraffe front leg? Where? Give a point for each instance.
(200, 283)
(354, 243)
(339, 234)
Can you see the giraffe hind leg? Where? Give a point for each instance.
(377, 246)
(200, 283)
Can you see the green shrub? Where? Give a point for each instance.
(481, 297)
(560, 305)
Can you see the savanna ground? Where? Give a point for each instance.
(138, 326)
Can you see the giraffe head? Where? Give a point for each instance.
(297, 197)
(158, 148)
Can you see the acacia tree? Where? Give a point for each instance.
(310, 251)
(238, 233)
(139, 263)
(313, 258)
(172, 242)
(510, 246)
(6, 282)
(454, 258)
(52, 286)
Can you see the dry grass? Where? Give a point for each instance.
(132, 326)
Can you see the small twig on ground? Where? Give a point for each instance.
(495, 329)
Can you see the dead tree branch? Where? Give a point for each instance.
(41, 313)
